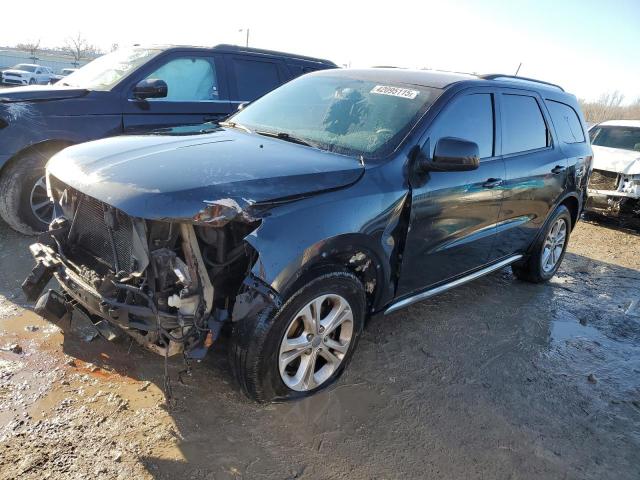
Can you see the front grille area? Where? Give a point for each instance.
(103, 232)
(603, 180)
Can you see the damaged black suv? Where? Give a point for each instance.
(342, 194)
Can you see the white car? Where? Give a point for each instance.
(27, 74)
(614, 186)
(63, 73)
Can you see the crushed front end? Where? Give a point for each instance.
(169, 285)
(614, 193)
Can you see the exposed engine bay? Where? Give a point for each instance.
(170, 286)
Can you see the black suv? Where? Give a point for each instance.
(131, 90)
(339, 195)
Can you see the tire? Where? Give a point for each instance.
(256, 343)
(32, 81)
(536, 268)
(19, 185)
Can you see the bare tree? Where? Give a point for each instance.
(79, 48)
(609, 107)
(32, 46)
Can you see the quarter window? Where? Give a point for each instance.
(566, 121)
(255, 78)
(524, 128)
(191, 79)
(469, 118)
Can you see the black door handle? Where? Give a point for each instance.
(492, 182)
(557, 169)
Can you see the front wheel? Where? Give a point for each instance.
(32, 81)
(303, 347)
(548, 252)
(24, 204)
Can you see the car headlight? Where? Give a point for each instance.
(630, 184)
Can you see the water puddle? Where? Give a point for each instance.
(608, 355)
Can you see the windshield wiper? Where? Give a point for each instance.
(234, 125)
(286, 137)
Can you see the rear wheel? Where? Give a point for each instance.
(24, 203)
(303, 347)
(549, 250)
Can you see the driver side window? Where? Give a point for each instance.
(469, 118)
(189, 79)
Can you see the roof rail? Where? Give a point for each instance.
(496, 76)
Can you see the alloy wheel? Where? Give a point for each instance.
(41, 204)
(554, 245)
(316, 342)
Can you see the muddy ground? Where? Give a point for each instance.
(496, 379)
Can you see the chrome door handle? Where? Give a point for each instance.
(492, 182)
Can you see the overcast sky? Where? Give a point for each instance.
(589, 47)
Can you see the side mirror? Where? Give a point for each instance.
(150, 88)
(451, 155)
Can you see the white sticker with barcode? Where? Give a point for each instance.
(395, 91)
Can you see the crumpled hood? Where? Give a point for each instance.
(616, 160)
(39, 93)
(162, 177)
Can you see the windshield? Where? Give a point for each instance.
(339, 113)
(24, 67)
(626, 138)
(104, 72)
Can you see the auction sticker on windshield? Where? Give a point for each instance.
(395, 91)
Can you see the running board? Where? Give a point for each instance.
(443, 288)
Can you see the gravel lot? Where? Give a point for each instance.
(496, 379)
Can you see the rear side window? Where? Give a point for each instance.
(524, 128)
(297, 69)
(566, 122)
(254, 78)
(469, 118)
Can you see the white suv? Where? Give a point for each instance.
(27, 74)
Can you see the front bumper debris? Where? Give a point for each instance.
(104, 311)
(612, 193)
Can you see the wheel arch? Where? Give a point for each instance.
(354, 253)
(571, 202)
(573, 205)
(52, 144)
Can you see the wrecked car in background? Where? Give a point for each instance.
(614, 187)
(341, 194)
(130, 90)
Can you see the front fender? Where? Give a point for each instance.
(70, 121)
(333, 228)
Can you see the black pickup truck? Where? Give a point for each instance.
(131, 90)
